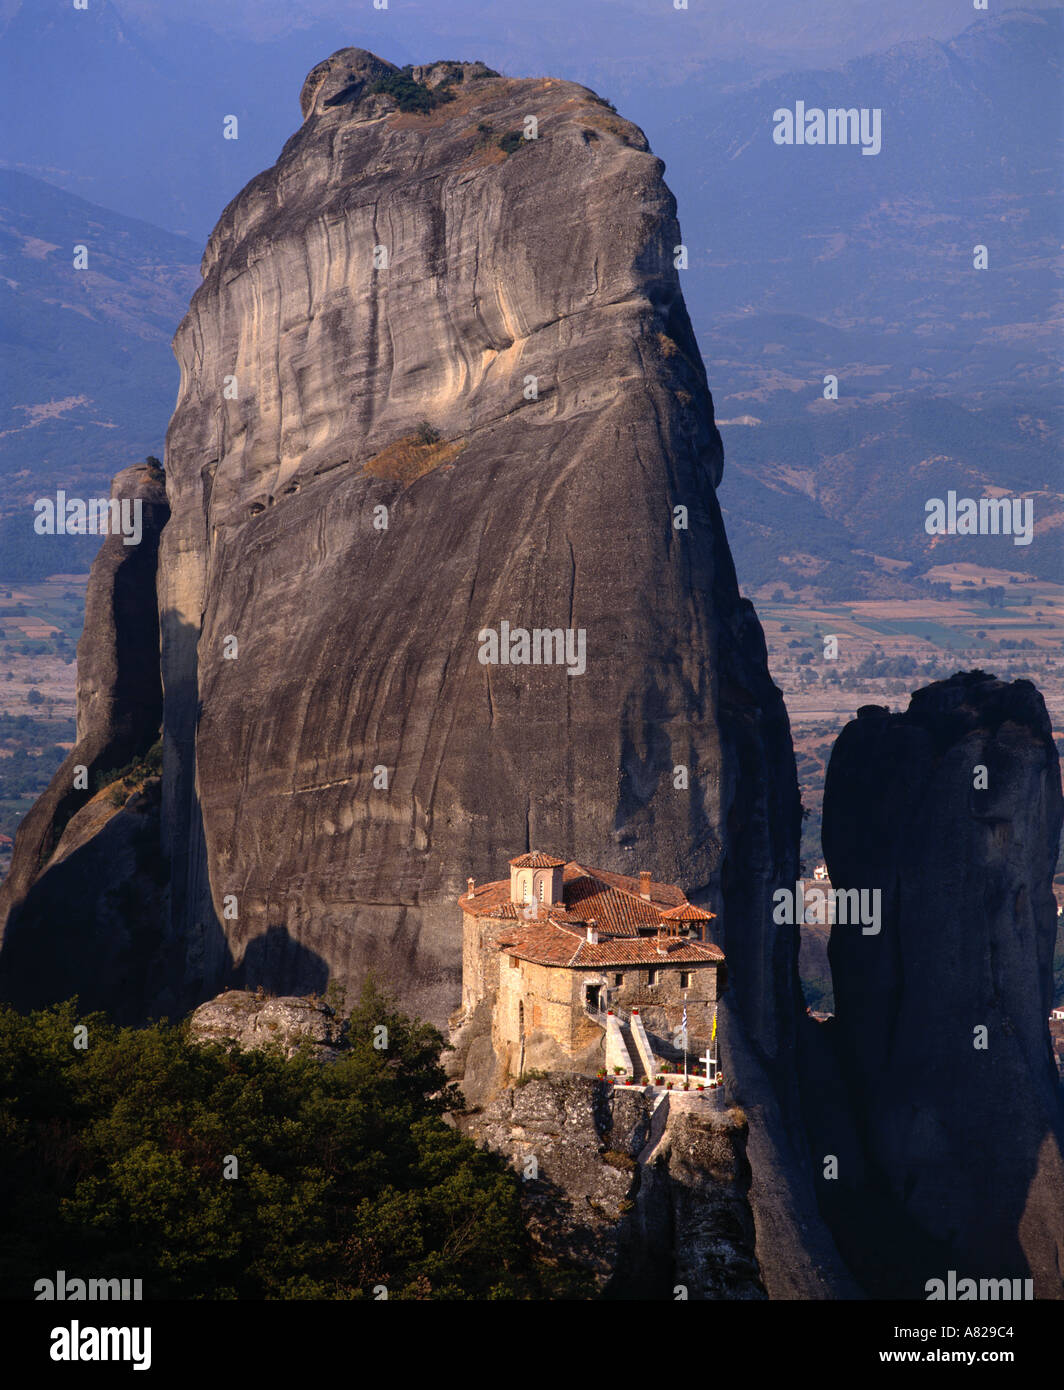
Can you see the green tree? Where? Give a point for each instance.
(118, 1163)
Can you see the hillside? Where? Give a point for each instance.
(87, 377)
(821, 261)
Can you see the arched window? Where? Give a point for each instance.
(526, 888)
(542, 886)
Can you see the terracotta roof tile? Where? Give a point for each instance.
(544, 943)
(613, 901)
(616, 909)
(485, 897)
(536, 860)
(687, 912)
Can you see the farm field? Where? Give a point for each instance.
(888, 648)
(40, 624)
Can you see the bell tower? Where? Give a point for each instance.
(536, 878)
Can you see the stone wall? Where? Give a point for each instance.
(552, 1004)
(661, 1005)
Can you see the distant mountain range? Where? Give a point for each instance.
(813, 261)
(804, 262)
(87, 377)
(123, 102)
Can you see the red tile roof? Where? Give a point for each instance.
(485, 898)
(687, 912)
(544, 943)
(536, 860)
(613, 901)
(506, 909)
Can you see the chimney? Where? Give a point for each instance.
(592, 933)
(470, 885)
(644, 884)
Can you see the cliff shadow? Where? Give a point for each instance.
(199, 959)
(279, 964)
(92, 925)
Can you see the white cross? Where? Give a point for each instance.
(707, 1059)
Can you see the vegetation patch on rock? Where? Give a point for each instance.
(410, 94)
(414, 455)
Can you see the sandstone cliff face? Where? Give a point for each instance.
(81, 907)
(952, 811)
(358, 647)
(635, 1198)
(492, 346)
(439, 379)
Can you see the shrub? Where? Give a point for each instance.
(348, 1176)
(511, 141)
(426, 433)
(411, 95)
(616, 1158)
(139, 770)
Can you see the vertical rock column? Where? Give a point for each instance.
(57, 935)
(952, 813)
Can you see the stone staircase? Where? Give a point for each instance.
(628, 1044)
(642, 1046)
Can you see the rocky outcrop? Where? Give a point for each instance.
(632, 1197)
(439, 378)
(439, 381)
(435, 381)
(80, 909)
(238, 1018)
(952, 812)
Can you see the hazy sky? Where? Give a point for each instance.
(839, 28)
(123, 103)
